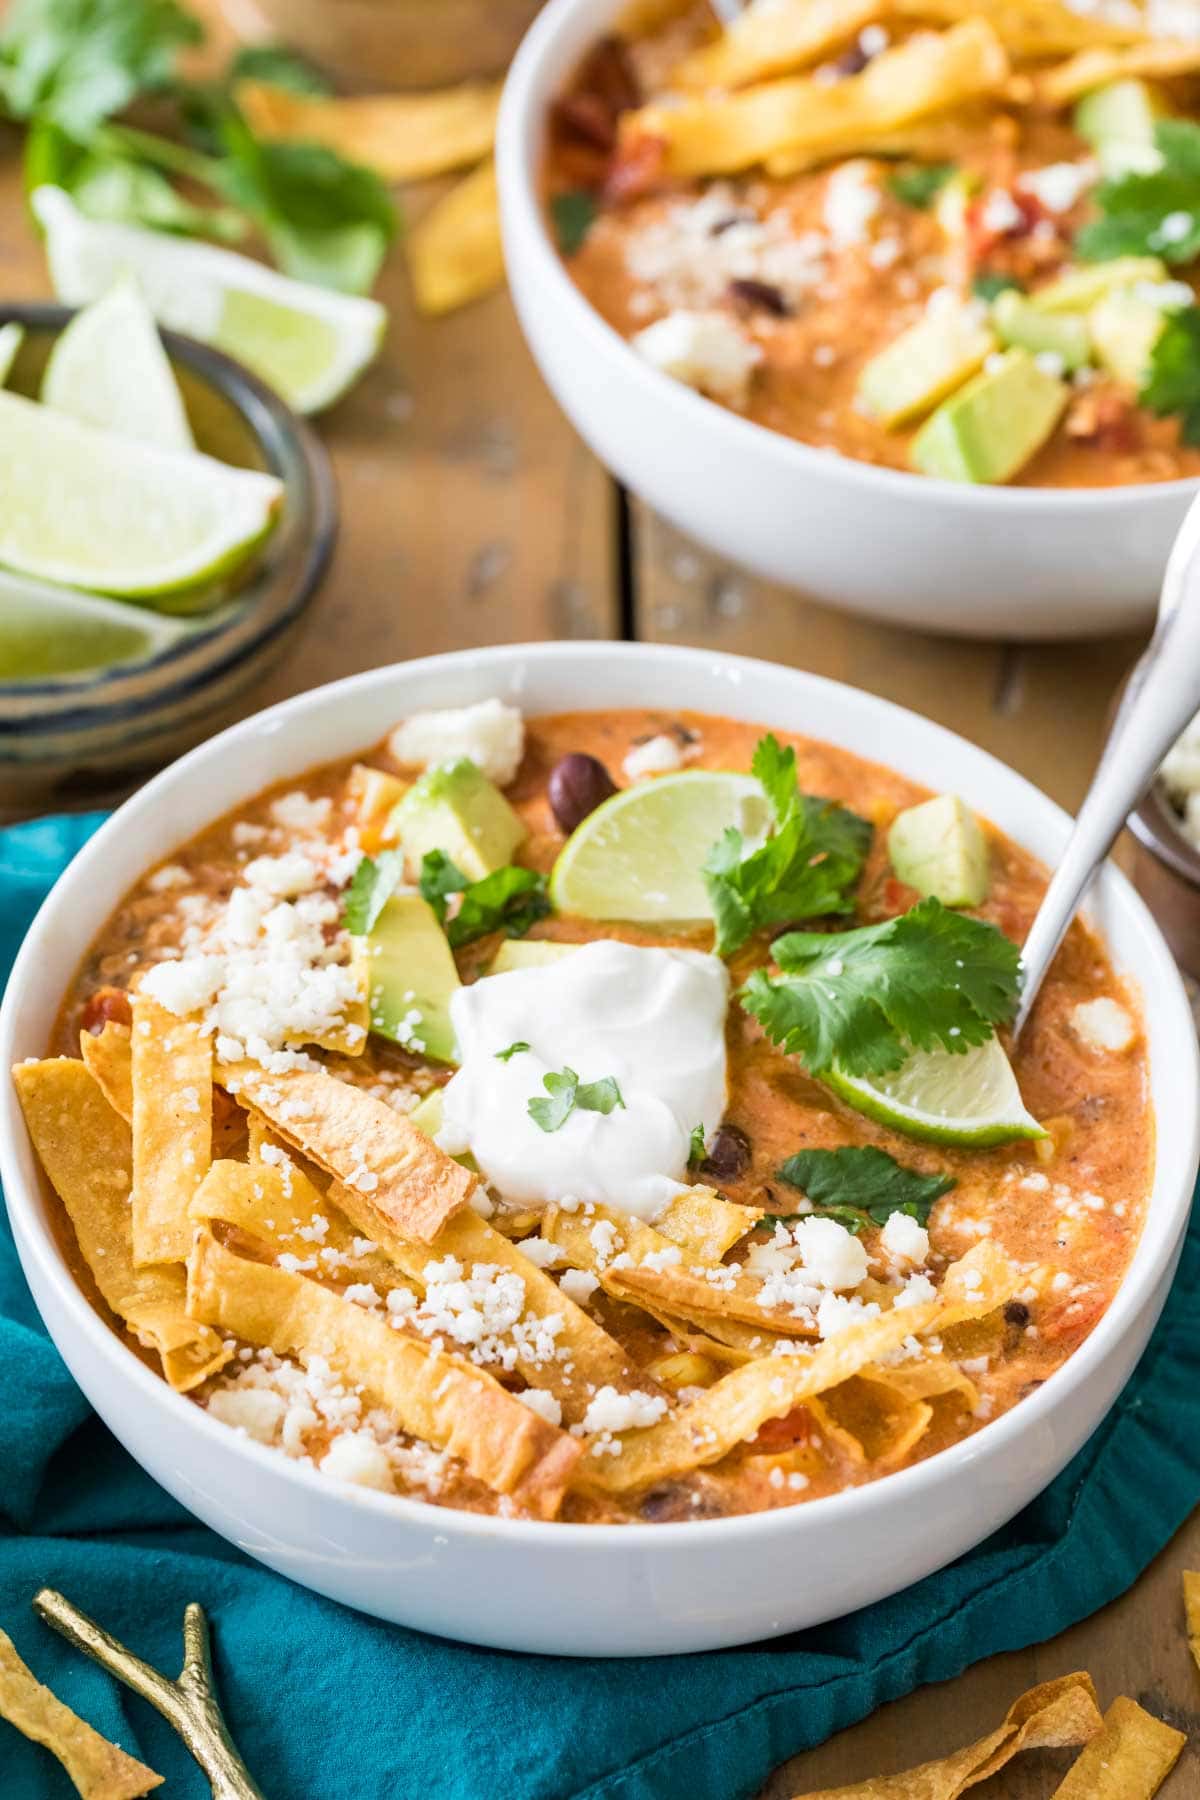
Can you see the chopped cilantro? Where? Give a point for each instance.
(863, 1000)
(566, 1092)
(514, 1049)
(572, 215)
(508, 900)
(279, 66)
(920, 185)
(861, 1185)
(76, 62)
(805, 869)
(439, 878)
(1153, 212)
(697, 1148)
(370, 890)
(987, 287)
(1172, 384)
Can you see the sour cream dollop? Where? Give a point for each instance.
(653, 1020)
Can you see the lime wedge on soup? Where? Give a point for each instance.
(47, 633)
(640, 855)
(308, 343)
(92, 510)
(971, 1099)
(108, 368)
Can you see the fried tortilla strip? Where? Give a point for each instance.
(1130, 1760)
(171, 1072)
(1162, 57)
(436, 1397)
(1191, 1603)
(87, 1152)
(880, 1423)
(705, 1225)
(775, 40)
(735, 1407)
(929, 140)
(349, 1036)
(1048, 1717)
(109, 1059)
(454, 252)
(1026, 28)
(98, 1769)
(402, 137)
(366, 1144)
(721, 134)
(719, 1339)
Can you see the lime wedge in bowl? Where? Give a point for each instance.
(308, 343)
(104, 513)
(970, 1099)
(49, 633)
(640, 855)
(108, 368)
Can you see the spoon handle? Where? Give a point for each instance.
(1162, 697)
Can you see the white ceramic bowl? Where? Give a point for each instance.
(572, 1589)
(976, 562)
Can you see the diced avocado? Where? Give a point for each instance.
(1118, 121)
(924, 364)
(455, 808)
(527, 953)
(426, 1115)
(1018, 323)
(939, 849)
(1080, 289)
(1125, 329)
(992, 427)
(411, 975)
(374, 795)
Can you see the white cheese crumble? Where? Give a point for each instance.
(688, 254)
(1059, 186)
(297, 812)
(578, 1285)
(490, 733)
(704, 350)
(832, 1255)
(657, 756)
(1000, 212)
(547, 1406)
(852, 200)
(903, 1238)
(614, 1411)
(356, 1457)
(1102, 1025)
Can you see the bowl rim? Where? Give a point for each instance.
(532, 77)
(1155, 970)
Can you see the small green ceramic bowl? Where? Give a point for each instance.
(67, 736)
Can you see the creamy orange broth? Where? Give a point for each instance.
(1027, 1197)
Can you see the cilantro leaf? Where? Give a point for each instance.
(551, 1114)
(513, 1049)
(697, 1148)
(279, 66)
(370, 889)
(508, 900)
(920, 185)
(806, 867)
(599, 1096)
(1172, 383)
(862, 1000)
(1152, 212)
(572, 214)
(987, 287)
(76, 62)
(862, 1185)
(439, 878)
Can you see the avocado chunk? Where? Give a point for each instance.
(411, 976)
(1020, 325)
(939, 849)
(992, 427)
(1125, 329)
(455, 808)
(1118, 121)
(1080, 289)
(924, 364)
(528, 953)
(426, 1115)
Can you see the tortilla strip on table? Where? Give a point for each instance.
(1130, 1759)
(1191, 1604)
(109, 1058)
(439, 1398)
(1162, 57)
(366, 1144)
(721, 134)
(402, 137)
(98, 1768)
(1052, 1716)
(455, 254)
(734, 1408)
(87, 1152)
(171, 1075)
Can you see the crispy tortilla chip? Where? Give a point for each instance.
(929, 74)
(366, 1144)
(1130, 1760)
(87, 1153)
(881, 1423)
(927, 140)
(1026, 28)
(1191, 1602)
(436, 1397)
(171, 1073)
(403, 137)
(732, 1410)
(1162, 57)
(109, 1059)
(1049, 1717)
(928, 1379)
(454, 252)
(775, 40)
(99, 1770)
(704, 1225)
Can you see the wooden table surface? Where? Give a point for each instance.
(472, 514)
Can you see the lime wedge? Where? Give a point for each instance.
(968, 1099)
(91, 510)
(48, 632)
(309, 343)
(109, 368)
(640, 855)
(12, 336)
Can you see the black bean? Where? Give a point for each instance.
(747, 292)
(675, 1501)
(1017, 1313)
(852, 61)
(577, 785)
(728, 1155)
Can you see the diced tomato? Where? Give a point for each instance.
(781, 1434)
(108, 1005)
(638, 168)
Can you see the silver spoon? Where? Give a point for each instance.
(1162, 696)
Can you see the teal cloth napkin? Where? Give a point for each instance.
(324, 1702)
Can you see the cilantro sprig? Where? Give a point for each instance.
(805, 869)
(509, 899)
(863, 1000)
(565, 1094)
(1172, 383)
(371, 887)
(572, 214)
(920, 185)
(860, 1185)
(516, 1048)
(1153, 212)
